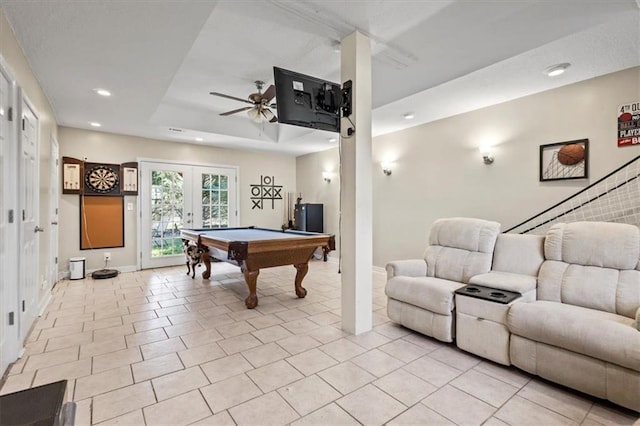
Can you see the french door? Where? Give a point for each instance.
(177, 196)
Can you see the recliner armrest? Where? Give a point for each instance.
(638, 319)
(407, 268)
(506, 281)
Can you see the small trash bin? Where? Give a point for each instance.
(77, 268)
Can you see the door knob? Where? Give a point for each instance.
(38, 229)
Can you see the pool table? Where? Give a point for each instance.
(255, 248)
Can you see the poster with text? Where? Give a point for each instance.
(629, 124)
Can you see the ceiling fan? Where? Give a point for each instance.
(259, 101)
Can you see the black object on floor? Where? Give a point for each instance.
(40, 406)
(104, 273)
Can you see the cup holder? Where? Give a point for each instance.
(486, 293)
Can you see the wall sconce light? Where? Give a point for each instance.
(326, 176)
(386, 168)
(487, 155)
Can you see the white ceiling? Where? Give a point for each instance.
(437, 58)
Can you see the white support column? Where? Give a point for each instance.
(356, 239)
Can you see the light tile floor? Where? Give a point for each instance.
(156, 347)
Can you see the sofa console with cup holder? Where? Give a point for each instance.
(564, 306)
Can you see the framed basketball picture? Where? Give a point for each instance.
(564, 160)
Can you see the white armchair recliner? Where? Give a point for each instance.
(420, 292)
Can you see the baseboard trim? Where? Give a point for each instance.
(44, 303)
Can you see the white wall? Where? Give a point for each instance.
(112, 148)
(314, 189)
(439, 172)
(22, 73)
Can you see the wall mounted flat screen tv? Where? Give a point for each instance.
(302, 100)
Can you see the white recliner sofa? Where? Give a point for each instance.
(583, 329)
(576, 322)
(421, 291)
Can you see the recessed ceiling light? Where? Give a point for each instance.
(557, 69)
(199, 139)
(409, 116)
(94, 124)
(332, 140)
(102, 92)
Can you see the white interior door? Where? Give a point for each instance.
(53, 213)
(9, 339)
(177, 196)
(29, 229)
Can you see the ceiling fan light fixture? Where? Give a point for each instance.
(254, 115)
(268, 114)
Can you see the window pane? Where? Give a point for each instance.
(206, 181)
(223, 182)
(224, 217)
(166, 213)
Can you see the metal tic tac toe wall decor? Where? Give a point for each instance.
(265, 190)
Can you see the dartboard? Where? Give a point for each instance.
(102, 179)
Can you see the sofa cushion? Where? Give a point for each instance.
(518, 254)
(593, 265)
(601, 335)
(592, 287)
(455, 264)
(602, 244)
(465, 233)
(433, 294)
(460, 248)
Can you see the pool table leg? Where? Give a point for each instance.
(251, 278)
(302, 269)
(206, 259)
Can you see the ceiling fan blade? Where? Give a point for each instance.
(269, 115)
(222, 95)
(236, 110)
(269, 94)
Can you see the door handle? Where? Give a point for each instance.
(38, 229)
(189, 221)
(54, 223)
